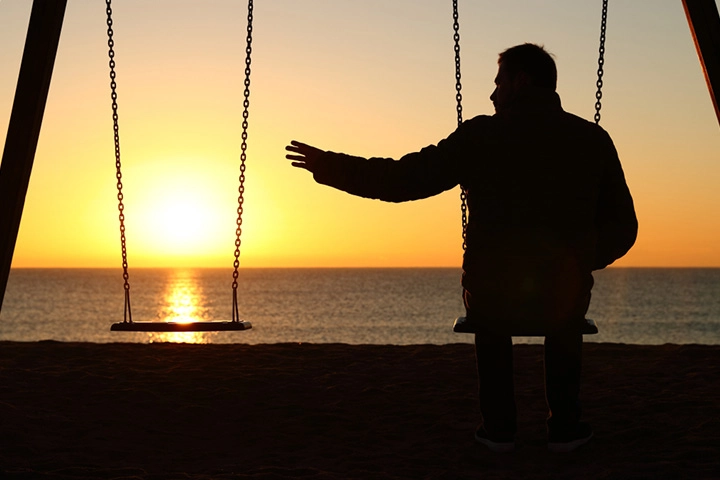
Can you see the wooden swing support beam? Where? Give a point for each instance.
(38, 60)
(702, 16)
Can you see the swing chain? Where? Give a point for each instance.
(127, 318)
(243, 157)
(458, 98)
(458, 84)
(601, 61)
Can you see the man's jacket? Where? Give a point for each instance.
(547, 199)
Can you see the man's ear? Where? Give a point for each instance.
(521, 80)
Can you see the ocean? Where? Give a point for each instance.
(399, 306)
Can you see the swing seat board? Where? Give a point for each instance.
(463, 326)
(219, 326)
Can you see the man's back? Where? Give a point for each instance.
(540, 182)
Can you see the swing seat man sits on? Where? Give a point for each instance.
(548, 204)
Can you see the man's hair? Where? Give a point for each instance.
(534, 61)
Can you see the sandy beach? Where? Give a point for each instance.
(333, 411)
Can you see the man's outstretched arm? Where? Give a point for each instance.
(422, 174)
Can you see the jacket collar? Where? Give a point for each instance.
(535, 100)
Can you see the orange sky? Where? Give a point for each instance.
(368, 78)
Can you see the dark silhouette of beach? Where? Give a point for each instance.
(333, 411)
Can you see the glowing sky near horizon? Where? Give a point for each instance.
(372, 78)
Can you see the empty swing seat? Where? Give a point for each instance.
(220, 326)
(462, 325)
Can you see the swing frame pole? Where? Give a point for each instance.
(38, 60)
(704, 22)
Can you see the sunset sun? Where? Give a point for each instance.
(184, 215)
(180, 221)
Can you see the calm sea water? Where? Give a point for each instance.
(356, 306)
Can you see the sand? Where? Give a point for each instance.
(310, 411)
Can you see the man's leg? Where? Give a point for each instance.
(495, 382)
(494, 357)
(563, 365)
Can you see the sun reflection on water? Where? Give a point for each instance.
(183, 302)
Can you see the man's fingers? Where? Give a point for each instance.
(303, 148)
(295, 157)
(296, 146)
(302, 165)
(295, 143)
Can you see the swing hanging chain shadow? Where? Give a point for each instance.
(462, 324)
(127, 325)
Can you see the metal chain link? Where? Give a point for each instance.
(127, 316)
(243, 157)
(601, 62)
(458, 98)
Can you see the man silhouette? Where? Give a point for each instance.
(548, 204)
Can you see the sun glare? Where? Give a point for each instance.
(183, 299)
(184, 302)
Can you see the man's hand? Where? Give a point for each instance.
(304, 156)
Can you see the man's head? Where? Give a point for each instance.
(520, 67)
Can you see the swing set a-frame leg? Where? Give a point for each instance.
(43, 36)
(704, 21)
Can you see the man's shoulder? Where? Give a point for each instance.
(488, 126)
(580, 122)
(482, 123)
(480, 120)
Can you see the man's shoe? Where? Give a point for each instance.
(494, 443)
(568, 440)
